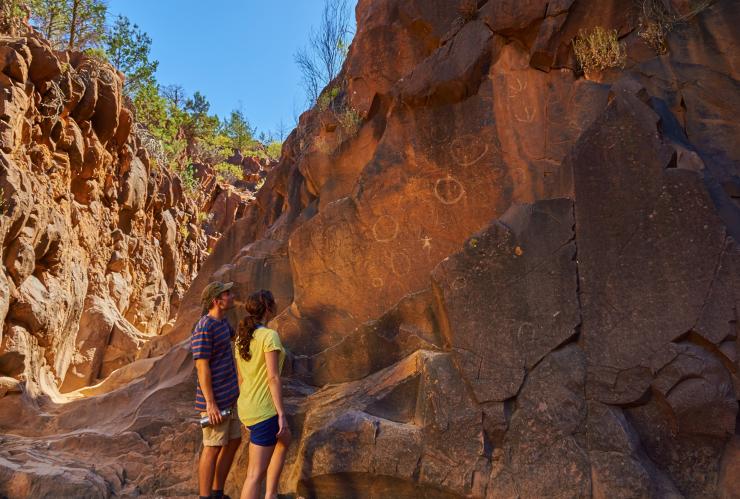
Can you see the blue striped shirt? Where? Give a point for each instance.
(211, 339)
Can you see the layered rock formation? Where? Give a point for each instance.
(98, 243)
(226, 202)
(498, 278)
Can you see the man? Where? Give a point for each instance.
(217, 389)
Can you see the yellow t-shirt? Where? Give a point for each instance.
(255, 400)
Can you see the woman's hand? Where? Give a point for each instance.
(284, 429)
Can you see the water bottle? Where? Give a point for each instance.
(204, 421)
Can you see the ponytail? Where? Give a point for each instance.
(257, 305)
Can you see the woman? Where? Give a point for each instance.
(259, 359)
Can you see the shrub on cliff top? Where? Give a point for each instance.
(350, 120)
(599, 49)
(656, 20)
(327, 97)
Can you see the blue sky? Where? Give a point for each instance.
(238, 53)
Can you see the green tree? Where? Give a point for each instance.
(175, 95)
(85, 23)
(198, 105)
(274, 150)
(150, 107)
(237, 128)
(49, 18)
(128, 49)
(199, 127)
(14, 16)
(164, 123)
(70, 24)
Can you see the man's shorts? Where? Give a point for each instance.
(264, 433)
(221, 434)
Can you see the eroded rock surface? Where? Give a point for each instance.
(498, 278)
(95, 258)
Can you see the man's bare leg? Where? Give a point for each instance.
(206, 469)
(223, 463)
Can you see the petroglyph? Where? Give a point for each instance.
(527, 115)
(385, 229)
(468, 150)
(400, 263)
(449, 190)
(459, 283)
(517, 88)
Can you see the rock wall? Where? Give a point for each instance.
(99, 244)
(498, 277)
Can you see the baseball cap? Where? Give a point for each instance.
(214, 289)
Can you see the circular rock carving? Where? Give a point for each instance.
(449, 190)
(526, 333)
(439, 133)
(459, 283)
(468, 150)
(400, 263)
(385, 229)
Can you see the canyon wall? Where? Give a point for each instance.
(498, 276)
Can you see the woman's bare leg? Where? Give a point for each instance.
(259, 458)
(276, 466)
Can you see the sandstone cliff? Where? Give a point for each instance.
(98, 242)
(499, 278)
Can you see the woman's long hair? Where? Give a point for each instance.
(257, 305)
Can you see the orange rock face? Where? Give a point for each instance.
(94, 263)
(498, 277)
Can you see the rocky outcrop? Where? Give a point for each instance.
(95, 261)
(498, 277)
(221, 201)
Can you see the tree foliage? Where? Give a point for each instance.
(13, 15)
(177, 128)
(321, 60)
(69, 24)
(127, 48)
(240, 133)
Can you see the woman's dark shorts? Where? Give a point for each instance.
(264, 433)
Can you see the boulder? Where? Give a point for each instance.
(134, 186)
(13, 64)
(108, 106)
(44, 64)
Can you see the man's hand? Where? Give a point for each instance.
(213, 412)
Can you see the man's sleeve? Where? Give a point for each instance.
(201, 343)
(272, 342)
